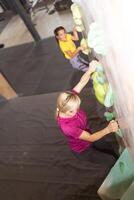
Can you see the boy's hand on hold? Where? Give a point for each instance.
(113, 126)
(80, 48)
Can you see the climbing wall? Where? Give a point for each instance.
(114, 47)
(109, 29)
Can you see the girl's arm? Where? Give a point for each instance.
(75, 36)
(85, 78)
(112, 127)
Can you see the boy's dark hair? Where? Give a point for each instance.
(59, 28)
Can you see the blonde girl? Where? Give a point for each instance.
(73, 121)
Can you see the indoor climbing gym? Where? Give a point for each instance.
(66, 100)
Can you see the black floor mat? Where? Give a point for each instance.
(35, 161)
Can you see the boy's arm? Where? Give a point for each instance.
(72, 54)
(75, 36)
(85, 78)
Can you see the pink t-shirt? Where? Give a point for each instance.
(72, 129)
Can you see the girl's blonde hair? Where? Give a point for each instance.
(67, 101)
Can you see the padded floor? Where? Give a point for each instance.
(35, 161)
(35, 69)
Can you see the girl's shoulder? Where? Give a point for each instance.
(82, 112)
(82, 115)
